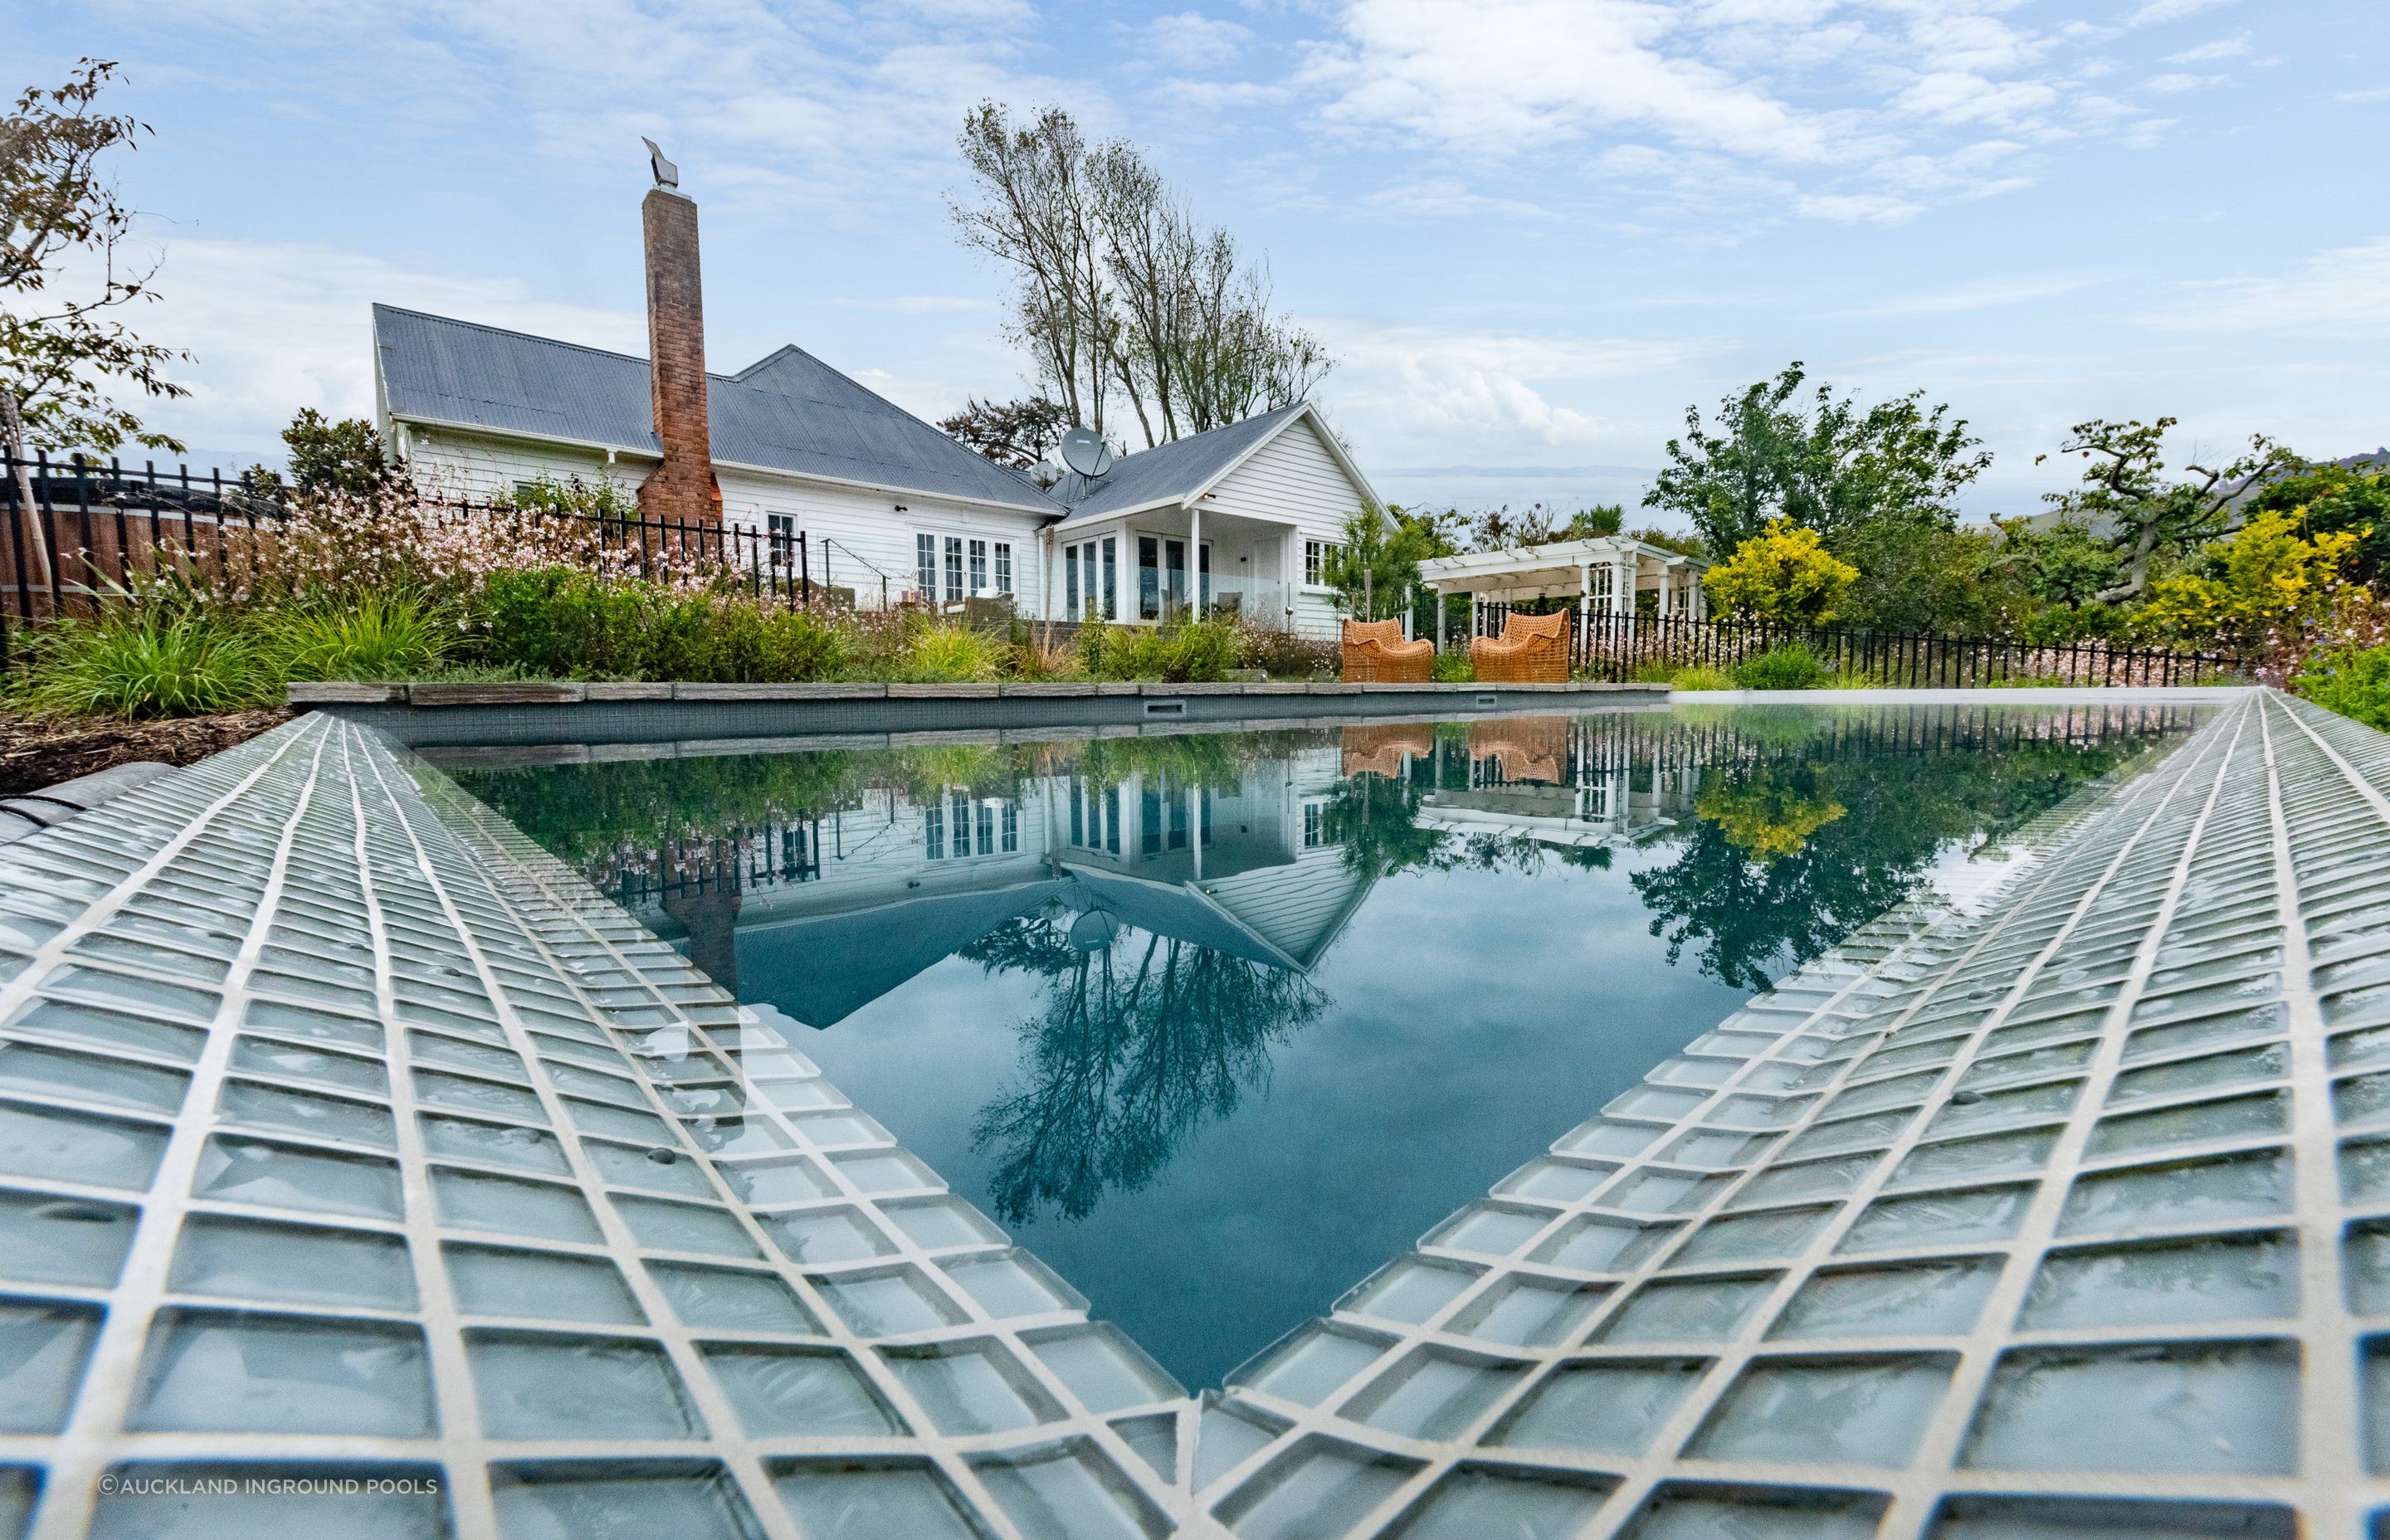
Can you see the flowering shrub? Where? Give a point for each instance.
(2264, 582)
(1784, 575)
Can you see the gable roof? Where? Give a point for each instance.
(1185, 468)
(787, 412)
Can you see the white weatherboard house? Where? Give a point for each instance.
(1236, 518)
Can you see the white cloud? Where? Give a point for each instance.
(2342, 295)
(1478, 395)
(2380, 92)
(1991, 294)
(275, 325)
(1444, 198)
(2175, 83)
(1858, 207)
(2223, 47)
(1505, 76)
(2157, 12)
(1959, 96)
(1193, 41)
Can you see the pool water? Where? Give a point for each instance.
(1217, 1023)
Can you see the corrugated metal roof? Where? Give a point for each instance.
(1167, 471)
(788, 412)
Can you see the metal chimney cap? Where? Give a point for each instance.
(667, 175)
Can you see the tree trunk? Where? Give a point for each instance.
(12, 439)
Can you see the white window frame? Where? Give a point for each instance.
(1315, 561)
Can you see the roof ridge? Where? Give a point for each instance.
(640, 359)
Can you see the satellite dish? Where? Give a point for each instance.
(1093, 930)
(1085, 451)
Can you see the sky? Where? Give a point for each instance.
(1533, 233)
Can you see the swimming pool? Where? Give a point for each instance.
(1216, 1022)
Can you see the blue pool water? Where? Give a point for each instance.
(1215, 1023)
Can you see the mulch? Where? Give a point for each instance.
(37, 752)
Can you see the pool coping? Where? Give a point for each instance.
(517, 715)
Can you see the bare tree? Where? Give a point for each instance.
(60, 351)
(1120, 293)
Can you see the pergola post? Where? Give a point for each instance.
(1585, 612)
(1439, 621)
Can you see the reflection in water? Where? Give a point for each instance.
(1170, 897)
(1142, 1037)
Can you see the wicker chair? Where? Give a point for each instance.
(1532, 649)
(1375, 653)
(1527, 747)
(1380, 749)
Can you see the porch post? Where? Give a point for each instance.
(1667, 589)
(1585, 610)
(1195, 558)
(1410, 604)
(1439, 619)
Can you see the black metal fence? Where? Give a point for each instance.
(94, 528)
(1623, 648)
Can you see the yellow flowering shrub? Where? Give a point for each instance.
(1784, 575)
(2265, 580)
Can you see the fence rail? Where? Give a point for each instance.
(96, 528)
(1622, 648)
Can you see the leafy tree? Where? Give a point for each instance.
(1916, 574)
(1120, 297)
(2264, 582)
(1017, 433)
(2144, 515)
(2338, 496)
(61, 349)
(1669, 539)
(1829, 466)
(1377, 564)
(1593, 522)
(2063, 564)
(347, 456)
(1500, 529)
(1784, 575)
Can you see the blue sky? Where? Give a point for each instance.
(1533, 232)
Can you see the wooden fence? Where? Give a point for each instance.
(101, 526)
(1622, 648)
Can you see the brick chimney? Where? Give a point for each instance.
(683, 487)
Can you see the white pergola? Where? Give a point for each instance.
(1606, 572)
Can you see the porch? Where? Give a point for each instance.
(1169, 563)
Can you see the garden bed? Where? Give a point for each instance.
(39, 751)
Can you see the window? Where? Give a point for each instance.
(925, 566)
(1003, 566)
(979, 566)
(984, 820)
(1110, 586)
(1071, 583)
(953, 570)
(782, 528)
(1313, 835)
(934, 830)
(1315, 561)
(962, 824)
(1011, 828)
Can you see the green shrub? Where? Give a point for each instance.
(1699, 679)
(145, 664)
(374, 637)
(1203, 651)
(2354, 682)
(1791, 667)
(953, 654)
(1653, 673)
(1452, 668)
(1194, 650)
(557, 623)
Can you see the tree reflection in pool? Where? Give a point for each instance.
(1258, 1008)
